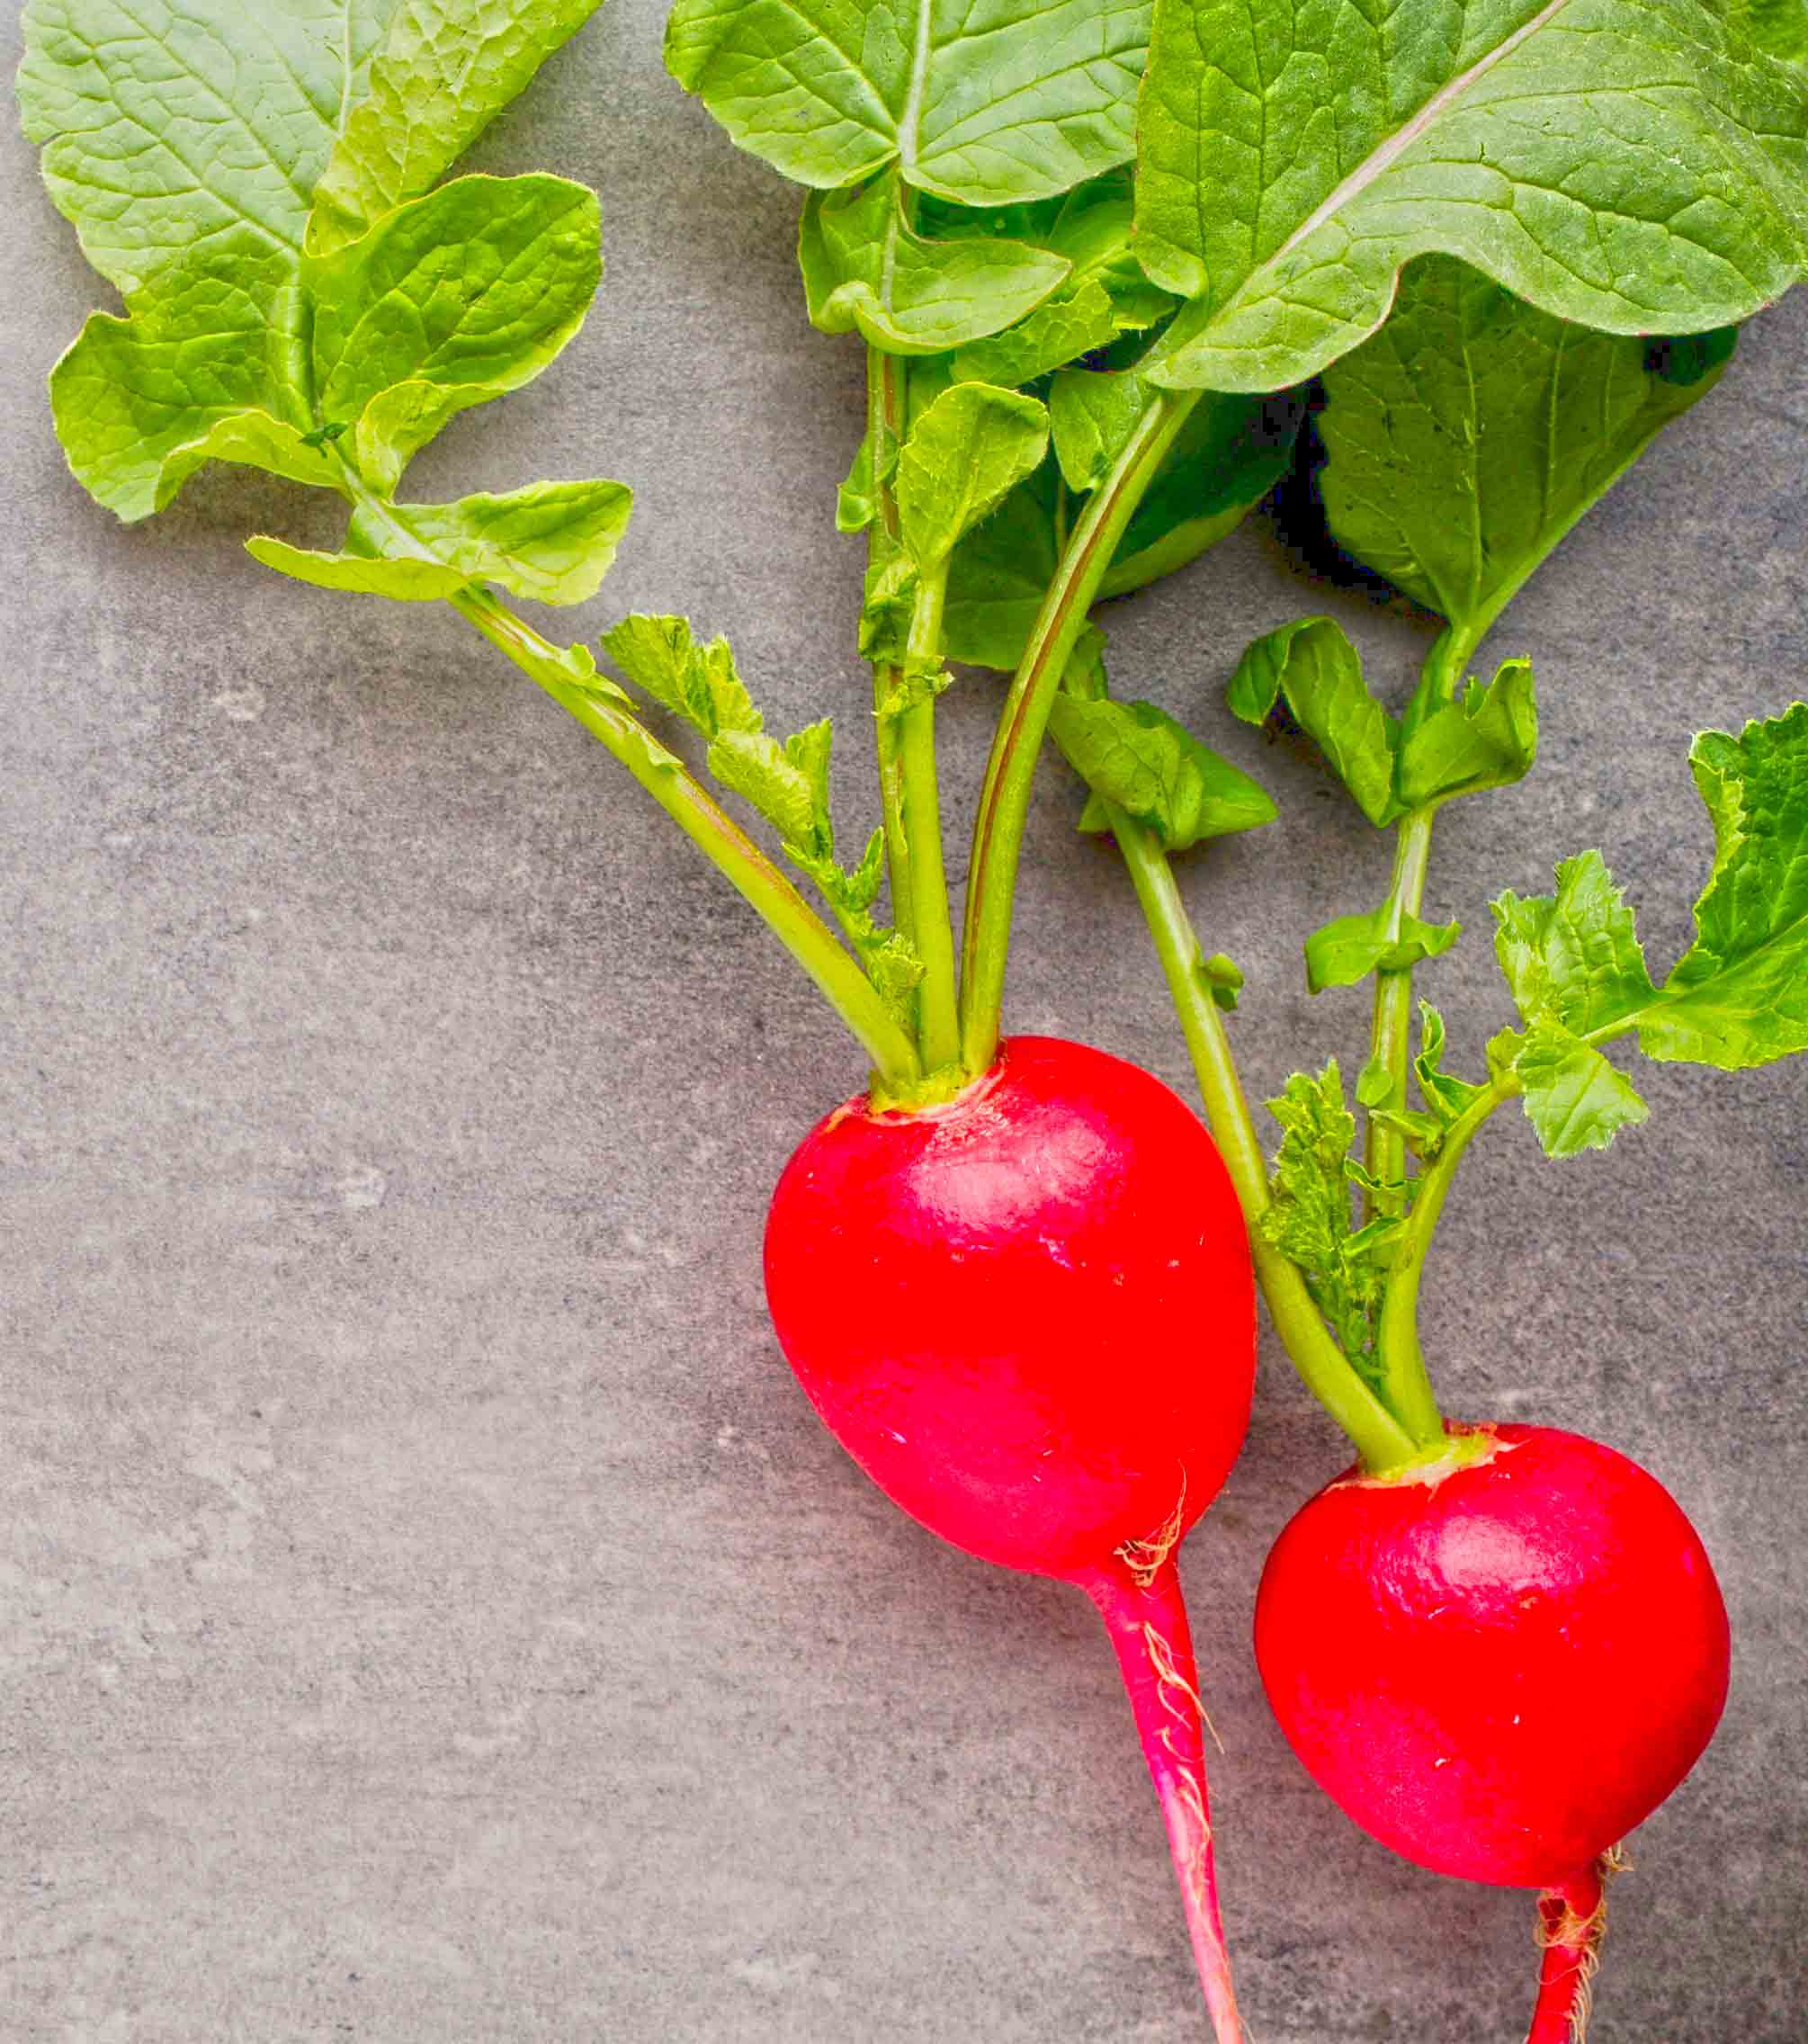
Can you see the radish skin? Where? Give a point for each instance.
(1029, 1315)
(1498, 1664)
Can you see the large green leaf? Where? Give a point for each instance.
(1633, 164)
(1014, 100)
(191, 134)
(1473, 431)
(185, 140)
(481, 283)
(449, 68)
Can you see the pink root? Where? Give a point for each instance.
(1572, 1920)
(1146, 1616)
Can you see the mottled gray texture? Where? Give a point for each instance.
(431, 1613)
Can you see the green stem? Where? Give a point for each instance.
(1392, 1043)
(1402, 1359)
(689, 805)
(1010, 773)
(709, 827)
(885, 422)
(1380, 1439)
(938, 1023)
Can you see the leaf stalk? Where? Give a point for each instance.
(1380, 1439)
(1010, 773)
(938, 1021)
(1391, 1042)
(1396, 1341)
(885, 426)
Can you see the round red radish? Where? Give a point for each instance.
(1028, 1314)
(1497, 1668)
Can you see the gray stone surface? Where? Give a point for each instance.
(430, 1610)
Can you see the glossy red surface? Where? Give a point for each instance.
(1501, 1674)
(1030, 1316)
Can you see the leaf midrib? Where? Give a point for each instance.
(1387, 153)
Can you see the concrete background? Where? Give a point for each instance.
(430, 1610)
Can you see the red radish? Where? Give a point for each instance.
(1029, 1315)
(1498, 1665)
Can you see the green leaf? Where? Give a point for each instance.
(402, 581)
(1024, 101)
(1574, 1099)
(185, 140)
(809, 751)
(1137, 756)
(1739, 995)
(141, 404)
(1000, 573)
(890, 602)
(1104, 294)
(1487, 740)
(1309, 1219)
(1777, 26)
(1473, 431)
(1375, 1085)
(552, 542)
(1572, 957)
(1092, 415)
(187, 136)
(472, 291)
(449, 66)
(1313, 665)
(1632, 167)
(866, 269)
(1446, 1097)
(699, 683)
(1070, 324)
(965, 456)
(756, 768)
(1345, 953)
(1223, 978)
(857, 501)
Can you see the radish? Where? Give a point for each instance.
(1497, 1663)
(1496, 1648)
(981, 1301)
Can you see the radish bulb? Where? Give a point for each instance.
(1029, 1315)
(1499, 1663)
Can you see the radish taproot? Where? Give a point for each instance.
(1497, 1663)
(1028, 1314)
